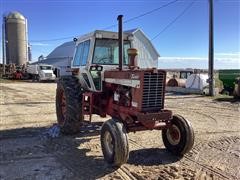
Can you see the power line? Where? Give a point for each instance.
(56, 39)
(144, 14)
(174, 20)
(149, 12)
(114, 25)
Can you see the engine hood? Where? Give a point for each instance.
(47, 71)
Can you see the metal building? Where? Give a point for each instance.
(15, 39)
(62, 56)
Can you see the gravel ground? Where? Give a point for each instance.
(28, 110)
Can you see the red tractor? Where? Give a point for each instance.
(106, 81)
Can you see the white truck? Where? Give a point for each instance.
(41, 72)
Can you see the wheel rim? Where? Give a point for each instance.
(108, 142)
(63, 107)
(173, 135)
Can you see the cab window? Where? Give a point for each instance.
(81, 55)
(106, 52)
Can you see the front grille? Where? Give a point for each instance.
(48, 74)
(153, 91)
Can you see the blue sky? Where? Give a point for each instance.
(184, 44)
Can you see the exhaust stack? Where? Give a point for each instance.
(120, 42)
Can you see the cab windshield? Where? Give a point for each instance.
(45, 67)
(106, 52)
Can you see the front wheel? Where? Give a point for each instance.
(114, 142)
(179, 137)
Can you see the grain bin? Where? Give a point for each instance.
(16, 42)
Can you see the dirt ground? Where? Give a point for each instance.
(28, 110)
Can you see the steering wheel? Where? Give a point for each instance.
(103, 60)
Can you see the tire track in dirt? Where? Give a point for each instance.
(206, 170)
(197, 109)
(200, 113)
(135, 144)
(205, 157)
(206, 115)
(169, 171)
(219, 132)
(124, 172)
(162, 171)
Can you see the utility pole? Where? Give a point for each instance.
(4, 43)
(211, 51)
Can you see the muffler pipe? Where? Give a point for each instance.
(120, 41)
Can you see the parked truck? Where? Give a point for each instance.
(41, 72)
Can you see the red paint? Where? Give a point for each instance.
(134, 118)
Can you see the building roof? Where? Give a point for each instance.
(133, 31)
(63, 51)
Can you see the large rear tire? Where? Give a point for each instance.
(179, 137)
(114, 142)
(69, 104)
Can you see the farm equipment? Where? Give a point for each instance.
(179, 80)
(106, 81)
(41, 72)
(13, 71)
(230, 78)
(185, 74)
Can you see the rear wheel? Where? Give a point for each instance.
(225, 92)
(179, 137)
(68, 104)
(114, 142)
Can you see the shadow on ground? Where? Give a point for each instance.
(21, 132)
(79, 161)
(76, 154)
(227, 99)
(182, 96)
(151, 156)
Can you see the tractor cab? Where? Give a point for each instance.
(95, 53)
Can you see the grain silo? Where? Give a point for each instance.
(16, 40)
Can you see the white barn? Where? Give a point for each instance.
(62, 55)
